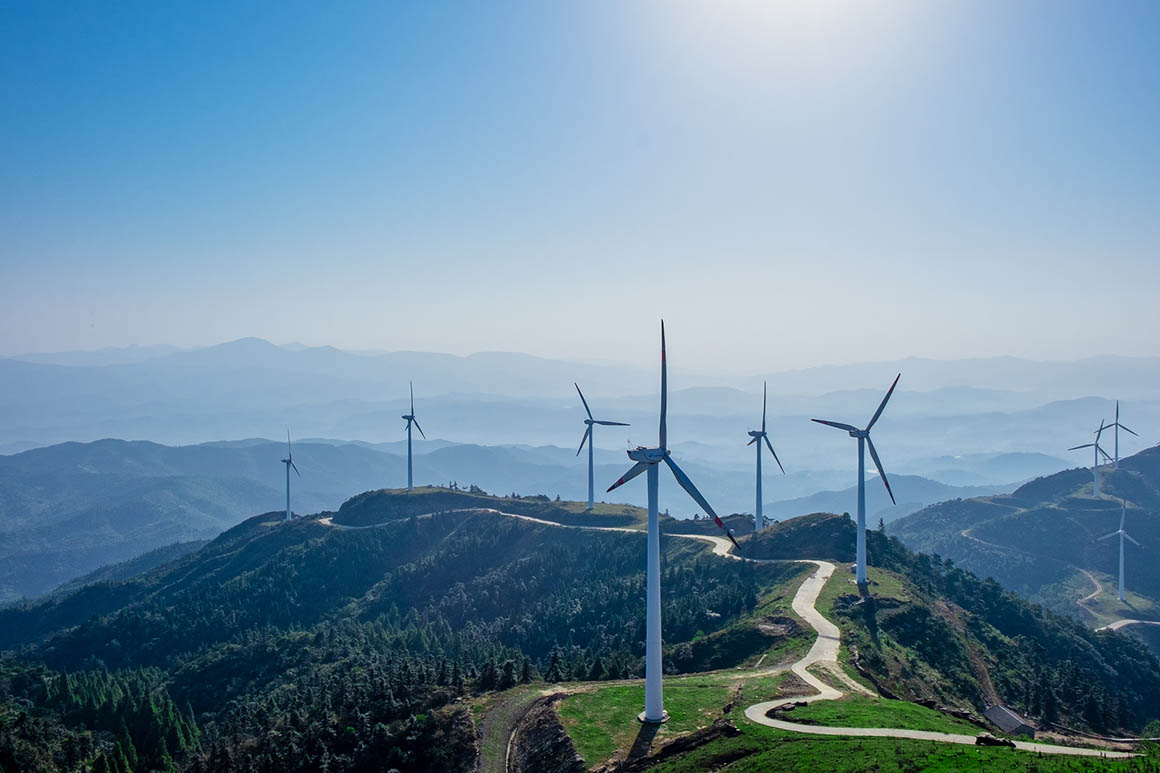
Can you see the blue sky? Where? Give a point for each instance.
(792, 183)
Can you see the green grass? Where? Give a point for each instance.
(761, 748)
(603, 724)
(861, 711)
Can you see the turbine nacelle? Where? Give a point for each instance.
(755, 434)
(648, 455)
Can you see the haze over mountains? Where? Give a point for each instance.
(251, 388)
(505, 422)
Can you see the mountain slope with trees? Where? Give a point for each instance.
(306, 646)
(1037, 539)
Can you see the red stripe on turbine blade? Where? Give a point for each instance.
(717, 520)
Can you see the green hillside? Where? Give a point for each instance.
(403, 642)
(1041, 540)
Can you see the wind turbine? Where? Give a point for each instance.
(864, 440)
(649, 459)
(588, 439)
(410, 417)
(1118, 426)
(289, 462)
(758, 518)
(1096, 451)
(1123, 535)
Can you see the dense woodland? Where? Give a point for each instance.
(302, 647)
(296, 646)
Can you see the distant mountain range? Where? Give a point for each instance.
(911, 492)
(68, 509)
(251, 387)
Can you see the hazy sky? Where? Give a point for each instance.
(790, 182)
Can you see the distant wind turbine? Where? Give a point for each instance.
(289, 462)
(1096, 451)
(864, 440)
(588, 439)
(758, 518)
(1123, 535)
(650, 459)
(410, 417)
(1118, 426)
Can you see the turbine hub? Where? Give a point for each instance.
(589, 422)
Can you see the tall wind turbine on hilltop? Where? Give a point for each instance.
(410, 417)
(1096, 451)
(758, 518)
(649, 459)
(864, 440)
(589, 440)
(289, 462)
(1123, 535)
(1118, 426)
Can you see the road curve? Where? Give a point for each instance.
(823, 653)
(1121, 623)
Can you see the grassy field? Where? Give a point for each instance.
(762, 749)
(861, 711)
(603, 723)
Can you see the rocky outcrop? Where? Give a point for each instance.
(540, 743)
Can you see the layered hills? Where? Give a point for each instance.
(1042, 539)
(68, 509)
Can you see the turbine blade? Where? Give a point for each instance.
(878, 464)
(1123, 515)
(1132, 539)
(837, 424)
(288, 453)
(751, 441)
(419, 428)
(729, 534)
(635, 470)
(1121, 426)
(583, 440)
(586, 408)
(764, 400)
(1101, 539)
(774, 453)
(412, 383)
(882, 405)
(1107, 457)
(1085, 445)
(664, 433)
(688, 486)
(295, 469)
(612, 423)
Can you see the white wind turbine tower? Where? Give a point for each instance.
(758, 518)
(410, 417)
(1123, 535)
(289, 462)
(1118, 426)
(1096, 451)
(864, 440)
(588, 439)
(650, 459)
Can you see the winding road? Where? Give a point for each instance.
(823, 654)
